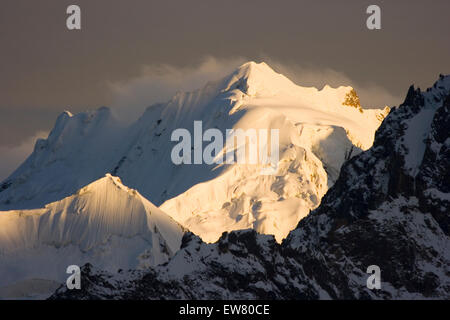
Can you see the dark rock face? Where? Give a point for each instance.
(390, 207)
(434, 177)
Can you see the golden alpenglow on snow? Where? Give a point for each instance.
(241, 151)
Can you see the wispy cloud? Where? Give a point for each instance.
(158, 83)
(371, 95)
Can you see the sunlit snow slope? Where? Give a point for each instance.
(104, 223)
(317, 133)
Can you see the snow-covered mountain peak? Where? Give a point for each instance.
(104, 223)
(92, 215)
(438, 91)
(71, 128)
(64, 116)
(107, 181)
(418, 111)
(93, 117)
(260, 80)
(442, 84)
(429, 98)
(257, 79)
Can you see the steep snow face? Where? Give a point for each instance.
(76, 153)
(104, 223)
(418, 126)
(317, 133)
(240, 197)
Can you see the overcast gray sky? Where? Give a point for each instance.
(45, 69)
